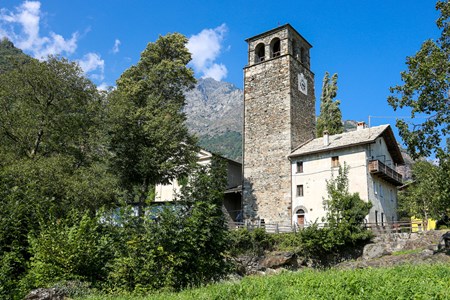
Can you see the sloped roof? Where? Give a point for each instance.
(353, 138)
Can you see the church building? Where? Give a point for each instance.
(284, 167)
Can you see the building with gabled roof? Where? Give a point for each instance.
(371, 155)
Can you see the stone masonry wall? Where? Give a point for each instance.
(276, 119)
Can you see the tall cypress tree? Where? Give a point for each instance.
(330, 117)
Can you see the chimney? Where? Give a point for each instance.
(361, 126)
(326, 138)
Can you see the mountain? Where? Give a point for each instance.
(214, 111)
(10, 55)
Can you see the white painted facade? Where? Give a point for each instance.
(168, 192)
(311, 169)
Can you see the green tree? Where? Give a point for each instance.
(48, 108)
(330, 117)
(345, 211)
(52, 152)
(427, 195)
(345, 214)
(426, 91)
(149, 139)
(184, 246)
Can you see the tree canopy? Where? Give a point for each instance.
(149, 139)
(48, 108)
(330, 118)
(427, 196)
(425, 92)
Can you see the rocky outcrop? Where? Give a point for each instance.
(279, 259)
(46, 294)
(214, 107)
(214, 111)
(386, 250)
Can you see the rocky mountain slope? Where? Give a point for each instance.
(215, 114)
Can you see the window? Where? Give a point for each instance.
(259, 53)
(376, 217)
(382, 219)
(380, 190)
(275, 47)
(303, 55)
(300, 190)
(299, 167)
(335, 161)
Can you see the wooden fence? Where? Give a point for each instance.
(377, 228)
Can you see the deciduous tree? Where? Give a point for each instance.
(427, 196)
(425, 92)
(149, 139)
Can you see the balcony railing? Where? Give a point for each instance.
(379, 169)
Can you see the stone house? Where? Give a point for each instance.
(371, 155)
(232, 199)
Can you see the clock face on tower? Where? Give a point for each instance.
(302, 84)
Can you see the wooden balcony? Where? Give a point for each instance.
(379, 169)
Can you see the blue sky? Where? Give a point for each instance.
(365, 42)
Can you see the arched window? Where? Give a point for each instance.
(275, 47)
(303, 55)
(300, 217)
(259, 53)
(295, 50)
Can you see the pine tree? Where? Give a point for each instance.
(330, 117)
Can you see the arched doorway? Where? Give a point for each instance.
(300, 217)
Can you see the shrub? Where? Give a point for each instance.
(252, 242)
(76, 248)
(183, 247)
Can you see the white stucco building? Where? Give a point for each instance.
(232, 199)
(371, 154)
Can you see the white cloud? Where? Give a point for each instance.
(206, 47)
(115, 48)
(22, 28)
(103, 86)
(216, 71)
(92, 62)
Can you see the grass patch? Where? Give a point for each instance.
(401, 282)
(403, 252)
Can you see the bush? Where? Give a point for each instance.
(183, 247)
(76, 248)
(11, 267)
(251, 242)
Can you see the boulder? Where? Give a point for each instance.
(372, 251)
(46, 294)
(279, 259)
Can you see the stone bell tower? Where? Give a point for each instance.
(279, 115)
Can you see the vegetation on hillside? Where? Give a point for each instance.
(10, 56)
(228, 144)
(72, 159)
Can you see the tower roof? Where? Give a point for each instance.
(287, 25)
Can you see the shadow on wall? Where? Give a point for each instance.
(249, 203)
